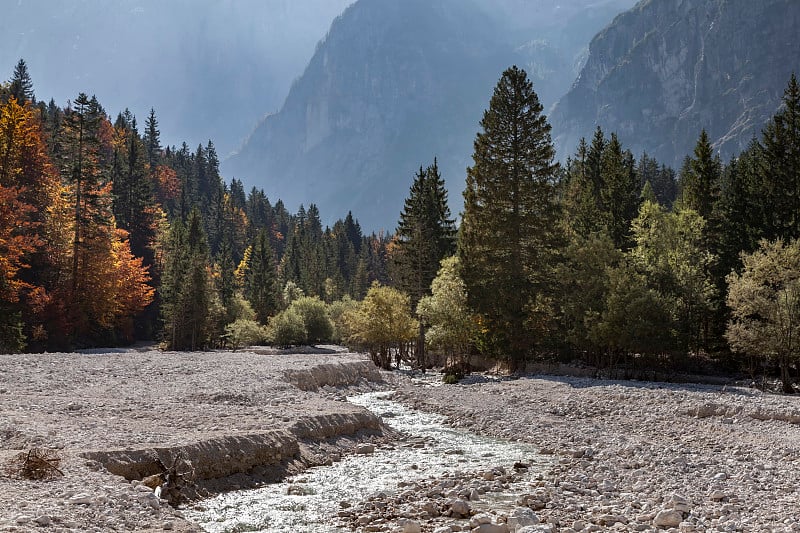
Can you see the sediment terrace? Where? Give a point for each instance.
(113, 414)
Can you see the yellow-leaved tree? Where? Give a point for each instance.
(382, 324)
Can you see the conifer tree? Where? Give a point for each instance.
(508, 233)
(425, 235)
(781, 144)
(620, 192)
(21, 86)
(700, 178)
(152, 140)
(185, 286)
(260, 278)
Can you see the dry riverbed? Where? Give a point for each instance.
(636, 456)
(627, 456)
(227, 412)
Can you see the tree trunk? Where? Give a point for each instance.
(786, 379)
(421, 347)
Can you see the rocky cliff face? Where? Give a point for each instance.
(396, 84)
(665, 69)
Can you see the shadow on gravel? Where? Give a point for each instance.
(723, 387)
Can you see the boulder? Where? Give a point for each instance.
(668, 518)
(520, 517)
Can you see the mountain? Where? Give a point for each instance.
(395, 84)
(665, 69)
(208, 67)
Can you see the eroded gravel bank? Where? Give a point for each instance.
(635, 456)
(228, 412)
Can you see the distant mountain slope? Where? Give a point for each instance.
(665, 69)
(208, 67)
(396, 84)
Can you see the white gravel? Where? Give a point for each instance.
(134, 400)
(638, 456)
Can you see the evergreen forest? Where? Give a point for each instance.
(612, 259)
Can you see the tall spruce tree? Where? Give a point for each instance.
(261, 278)
(509, 230)
(425, 235)
(186, 286)
(21, 86)
(700, 178)
(620, 191)
(781, 161)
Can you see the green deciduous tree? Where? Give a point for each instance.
(452, 328)
(509, 234)
(765, 305)
(671, 252)
(382, 324)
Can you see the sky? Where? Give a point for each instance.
(211, 69)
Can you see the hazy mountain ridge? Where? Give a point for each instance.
(665, 69)
(395, 84)
(210, 68)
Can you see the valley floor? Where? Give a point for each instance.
(227, 412)
(619, 455)
(633, 455)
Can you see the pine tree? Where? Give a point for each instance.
(152, 140)
(508, 233)
(21, 86)
(581, 196)
(260, 278)
(700, 178)
(620, 192)
(781, 144)
(186, 287)
(425, 235)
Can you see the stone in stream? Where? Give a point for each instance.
(365, 448)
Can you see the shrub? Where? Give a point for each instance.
(314, 312)
(287, 328)
(244, 332)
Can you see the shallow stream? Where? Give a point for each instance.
(431, 450)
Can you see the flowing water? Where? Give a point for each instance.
(435, 449)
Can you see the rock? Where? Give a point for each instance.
(459, 509)
(680, 504)
(443, 529)
(607, 486)
(411, 526)
(610, 520)
(43, 520)
(717, 496)
(365, 448)
(491, 528)
(520, 517)
(721, 476)
(480, 519)
(167, 526)
(82, 499)
(668, 518)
